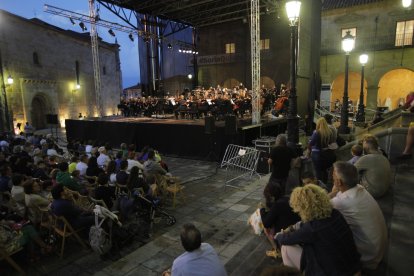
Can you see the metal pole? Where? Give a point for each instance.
(343, 128)
(292, 119)
(360, 117)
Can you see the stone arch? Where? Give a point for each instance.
(267, 82)
(40, 106)
(230, 83)
(394, 86)
(354, 88)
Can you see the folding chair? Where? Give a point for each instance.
(63, 229)
(7, 256)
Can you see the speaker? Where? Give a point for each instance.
(230, 126)
(209, 125)
(52, 119)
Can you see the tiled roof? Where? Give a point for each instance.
(337, 4)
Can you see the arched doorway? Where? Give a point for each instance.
(267, 82)
(354, 89)
(394, 86)
(38, 112)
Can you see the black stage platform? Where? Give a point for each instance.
(184, 138)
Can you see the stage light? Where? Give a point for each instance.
(131, 37)
(180, 50)
(169, 46)
(406, 3)
(77, 86)
(71, 21)
(190, 76)
(196, 53)
(83, 27)
(111, 32)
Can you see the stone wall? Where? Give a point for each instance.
(51, 83)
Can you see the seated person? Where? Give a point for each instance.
(82, 165)
(408, 143)
(5, 177)
(279, 214)
(151, 166)
(73, 162)
(17, 193)
(374, 168)
(199, 258)
(322, 242)
(34, 200)
(135, 182)
(63, 177)
(62, 206)
(104, 192)
(15, 235)
(362, 213)
(93, 169)
(356, 152)
(41, 171)
(122, 175)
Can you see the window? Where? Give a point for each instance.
(230, 48)
(265, 44)
(36, 59)
(352, 31)
(404, 33)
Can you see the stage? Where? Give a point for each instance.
(182, 137)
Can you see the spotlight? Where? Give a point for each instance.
(131, 37)
(10, 79)
(190, 76)
(83, 27)
(180, 50)
(71, 21)
(77, 86)
(111, 32)
(169, 46)
(196, 53)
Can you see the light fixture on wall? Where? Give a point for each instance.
(406, 3)
(131, 37)
(77, 86)
(169, 46)
(348, 43)
(293, 11)
(189, 76)
(10, 80)
(72, 21)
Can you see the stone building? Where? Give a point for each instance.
(52, 71)
(383, 29)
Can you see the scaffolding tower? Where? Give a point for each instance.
(255, 56)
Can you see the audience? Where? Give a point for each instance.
(356, 152)
(322, 242)
(82, 165)
(122, 175)
(103, 159)
(408, 143)
(362, 213)
(104, 192)
(33, 200)
(64, 178)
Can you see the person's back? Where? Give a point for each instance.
(203, 261)
(366, 221)
(375, 172)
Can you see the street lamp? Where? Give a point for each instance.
(360, 117)
(348, 43)
(10, 79)
(406, 3)
(293, 11)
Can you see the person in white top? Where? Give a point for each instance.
(102, 159)
(82, 165)
(361, 212)
(134, 163)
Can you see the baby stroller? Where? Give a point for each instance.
(150, 209)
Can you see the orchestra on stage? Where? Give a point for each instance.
(217, 102)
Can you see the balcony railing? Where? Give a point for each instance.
(369, 43)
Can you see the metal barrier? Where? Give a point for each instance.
(239, 162)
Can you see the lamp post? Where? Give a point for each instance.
(293, 11)
(348, 43)
(360, 117)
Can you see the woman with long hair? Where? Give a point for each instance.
(322, 242)
(322, 156)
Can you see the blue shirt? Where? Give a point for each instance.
(200, 262)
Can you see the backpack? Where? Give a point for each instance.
(99, 239)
